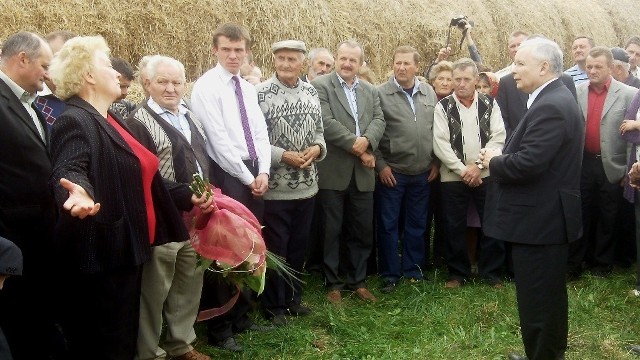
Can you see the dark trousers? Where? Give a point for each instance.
(216, 292)
(101, 313)
(286, 232)
(436, 249)
(410, 196)
(456, 197)
(313, 261)
(215, 289)
(238, 191)
(354, 209)
(600, 203)
(540, 278)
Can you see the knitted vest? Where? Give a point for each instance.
(485, 105)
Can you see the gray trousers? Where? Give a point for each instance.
(171, 286)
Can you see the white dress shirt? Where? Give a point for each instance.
(214, 102)
(536, 92)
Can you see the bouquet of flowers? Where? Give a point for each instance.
(229, 241)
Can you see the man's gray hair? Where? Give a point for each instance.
(157, 60)
(464, 63)
(546, 50)
(317, 51)
(625, 65)
(353, 44)
(23, 41)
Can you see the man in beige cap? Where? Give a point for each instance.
(294, 121)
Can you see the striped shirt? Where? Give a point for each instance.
(577, 75)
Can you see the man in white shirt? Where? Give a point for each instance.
(633, 49)
(238, 143)
(241, 151)
(516, 38)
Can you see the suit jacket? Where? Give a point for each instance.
(535, 194)
(513, 102)
(612, 148)
(27, 209)
(336, 170)
(88, 151)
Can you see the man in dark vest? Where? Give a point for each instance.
(464, 122)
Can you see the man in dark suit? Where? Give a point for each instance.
(537, 186)
(27, 210)
(353, 125)
(513, 102)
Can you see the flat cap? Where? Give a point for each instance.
(620, 54)
(10, 258)
(296, 45)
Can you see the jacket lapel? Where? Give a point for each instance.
(102, 122)
(612, 96)
(583, 100)
(21, 113)
(342, 97)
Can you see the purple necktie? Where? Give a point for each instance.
(245, 121)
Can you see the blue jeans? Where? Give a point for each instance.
(410, 196)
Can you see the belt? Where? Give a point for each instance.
(588, 155)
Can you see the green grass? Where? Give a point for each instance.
(426, 321)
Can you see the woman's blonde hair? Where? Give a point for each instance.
(73, 62)
(438, 68)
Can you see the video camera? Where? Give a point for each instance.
(461, 21)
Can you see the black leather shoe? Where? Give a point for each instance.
(299, 310)
(514, 356)
(635, 349)
(228, 344)
(260, 328)
(279, 320)
(389, 286)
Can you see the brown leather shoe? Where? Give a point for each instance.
(452, 284)
(365, 295)
(334, 297)
(192, 355)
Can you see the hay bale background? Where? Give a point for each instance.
(183, 29)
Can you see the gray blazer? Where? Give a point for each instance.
(336, 170)
(613, 149)
(407, 143)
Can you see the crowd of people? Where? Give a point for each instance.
(528, 173)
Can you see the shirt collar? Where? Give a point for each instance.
(225, 74)
(356, 81)
(606, 85)
(416, 85)
(19, 92)
(182, 110)
(536, 92)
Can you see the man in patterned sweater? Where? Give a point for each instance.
(294, 122)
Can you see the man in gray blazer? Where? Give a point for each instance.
(353, 125)
(603, 102)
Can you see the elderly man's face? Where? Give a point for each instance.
(527, 71)
(321, 65)
(288, 65)
(230, 54)
(167, 87)
(405, 69)
(464, 82)
(348, 62)
(514, 44)
(35, 71)
(580, 49)
(598, 69)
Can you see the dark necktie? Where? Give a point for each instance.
(245, 121)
